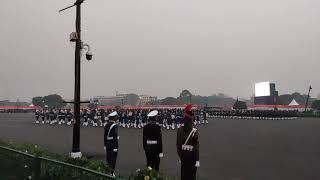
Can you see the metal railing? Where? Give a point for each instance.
(21, 165)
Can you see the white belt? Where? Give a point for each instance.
(152, 142)
(187, 147)
(111, 138)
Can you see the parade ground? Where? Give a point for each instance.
(230, 149)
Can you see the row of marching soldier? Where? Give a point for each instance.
(187, 143)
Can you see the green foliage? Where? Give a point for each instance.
(92, 105)
(185, 96)
(16, 166)
(131, 99)
(316, 105)
(170, 101)
(50, 170)
(38, 101)
(239, 105)
(148, 174)
(53, 101)
(213, 100)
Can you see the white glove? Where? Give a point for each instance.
(104, 147)
(197, 164)
(161, 155)
(115, 150)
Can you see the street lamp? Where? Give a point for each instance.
(308, 96)
(89, 53)
(76, 37)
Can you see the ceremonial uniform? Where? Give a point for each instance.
(130, 118)
(161, 119)
(69, 116)
(47, 116)
(173, 120)
(55, 115)
(144, 118)
(205, 116)
(101, 117)
(61, 116)
(52, 114)
(152, 141)
(125, 118)
(85, 116)
(111, 140)
(188, 147)
(93, 117)
(121, 118)
(179, 118)
(37, 114)
(42, 114)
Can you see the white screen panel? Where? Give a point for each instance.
(262, 89)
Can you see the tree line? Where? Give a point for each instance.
(185, 97)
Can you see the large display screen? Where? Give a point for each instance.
(262, 89)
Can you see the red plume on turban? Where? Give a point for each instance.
(188, 110)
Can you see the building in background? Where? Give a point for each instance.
(265, 94)
(118, 99)
(122, 99)
(146, 99)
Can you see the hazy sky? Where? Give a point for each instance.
(160, 47)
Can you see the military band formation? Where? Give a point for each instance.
(168, 118)
(254, 114)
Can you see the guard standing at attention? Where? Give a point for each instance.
(111, 140)
(188, 146)
(152, 141)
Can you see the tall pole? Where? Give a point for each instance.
(305, 110)
(76, 127)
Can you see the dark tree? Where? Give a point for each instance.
(38, 101)
(301, 99)
(131, 99)
(170, 101)
(185, 96)
(53, 101)
(92, 105)
(316, 105)
(239, 105)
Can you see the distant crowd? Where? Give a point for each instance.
(254, 114)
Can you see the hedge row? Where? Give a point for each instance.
(60, 172)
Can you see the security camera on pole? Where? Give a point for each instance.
(76, 37)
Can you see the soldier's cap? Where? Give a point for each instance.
(114, 113)
(153, 113)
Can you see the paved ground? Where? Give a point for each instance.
(230, 149)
